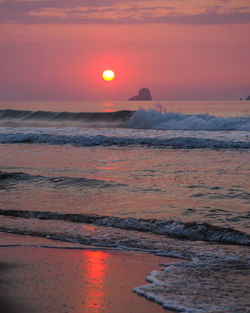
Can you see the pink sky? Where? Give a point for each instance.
(57, 50)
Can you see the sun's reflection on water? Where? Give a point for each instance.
(96, 269)
(108, 104)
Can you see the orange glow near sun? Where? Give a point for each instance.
(108, 75)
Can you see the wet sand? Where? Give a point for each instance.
(56, 280)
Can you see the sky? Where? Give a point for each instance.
(179, 49)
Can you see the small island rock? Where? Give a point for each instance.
(144, 94)
(248, 98)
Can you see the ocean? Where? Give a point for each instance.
(163, 177)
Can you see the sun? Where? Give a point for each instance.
(108, 75)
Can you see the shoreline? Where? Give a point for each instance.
(39, 279)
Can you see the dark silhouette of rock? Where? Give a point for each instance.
(248, 98)
(144, 94)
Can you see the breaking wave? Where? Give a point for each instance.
(141, 119)
(153, 119)
(103, 140)
(169, 228)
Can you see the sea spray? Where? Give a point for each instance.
(159, 118)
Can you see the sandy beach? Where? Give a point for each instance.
(36, 279)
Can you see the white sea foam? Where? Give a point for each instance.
(195, 287)
(153, 119)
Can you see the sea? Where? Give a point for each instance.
(169, 178)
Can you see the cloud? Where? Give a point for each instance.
(124, 12)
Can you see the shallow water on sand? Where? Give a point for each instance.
(100, 281)
(206, 186)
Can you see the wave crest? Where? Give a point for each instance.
(169, 228)
(157, 118)
(50, 117)
(104, 140)
(160, 119)
(10, 178)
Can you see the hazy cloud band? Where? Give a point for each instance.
(124, 12)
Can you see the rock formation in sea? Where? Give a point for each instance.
(144, 94)
(248, 98)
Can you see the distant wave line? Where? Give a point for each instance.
(10, 178)
(104, 140)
